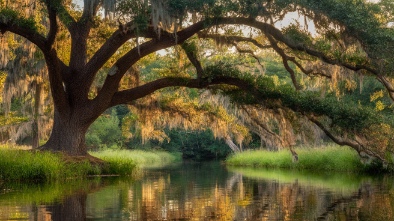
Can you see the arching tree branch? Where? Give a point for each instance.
(220, 39)
(285, 59)
(28, 32)
(233, 40)
(112, 45)
(148, 88)
(361, 149)
(240, 50)
(126, 61)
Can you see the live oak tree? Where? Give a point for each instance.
(350, 38)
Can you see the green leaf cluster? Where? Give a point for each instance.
(12, 17)
(345, 113)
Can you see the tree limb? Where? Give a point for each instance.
(166, 40)
(53, 27)
(285, 62)
(240, 50)
(220, 39)
(148, 88)
(64, 16)
(27, 32)
(192, 55)
(343, 141)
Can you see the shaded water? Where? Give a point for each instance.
(206, 191)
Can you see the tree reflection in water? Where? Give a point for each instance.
(209, 192)
(72, 208)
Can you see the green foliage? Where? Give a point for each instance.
(105, 132)
(12, 17)
(344, 113)
(196, 145)
(11, 119)
(360, 19)
(296, 35)
(221, 69)
(332, 158)
(138, 10)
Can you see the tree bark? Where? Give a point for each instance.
(68, 136)
(232, 145)
(35, 131)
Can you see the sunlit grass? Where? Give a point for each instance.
(17, 164)
(140, 158)
(40, 166)
(330, 158)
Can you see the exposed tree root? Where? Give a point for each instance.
(94, 161)
(78, 159)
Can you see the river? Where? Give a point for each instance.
(204, 191)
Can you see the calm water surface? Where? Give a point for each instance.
(206, 191)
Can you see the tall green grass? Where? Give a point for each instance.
(139, 158)
(40, 166)
(24, 165)
(331, 158)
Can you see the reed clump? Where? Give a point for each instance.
(329, 158)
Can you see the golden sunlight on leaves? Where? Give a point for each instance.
(376, 95)
(380, 106)
(379, 137)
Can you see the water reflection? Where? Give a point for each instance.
(206, 191)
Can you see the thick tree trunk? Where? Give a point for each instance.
(68, 136)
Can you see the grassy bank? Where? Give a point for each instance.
(330, 158)
(140, 158)
(18, 164)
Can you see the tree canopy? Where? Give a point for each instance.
(101, 53)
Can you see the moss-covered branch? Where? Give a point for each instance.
(12, 21)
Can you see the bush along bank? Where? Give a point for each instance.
(330, 158)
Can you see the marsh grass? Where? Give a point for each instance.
(139, 158)
(22, 165)
(40, 166)
(330, 158)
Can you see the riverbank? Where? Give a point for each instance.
(329, 158)
(21, 165)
